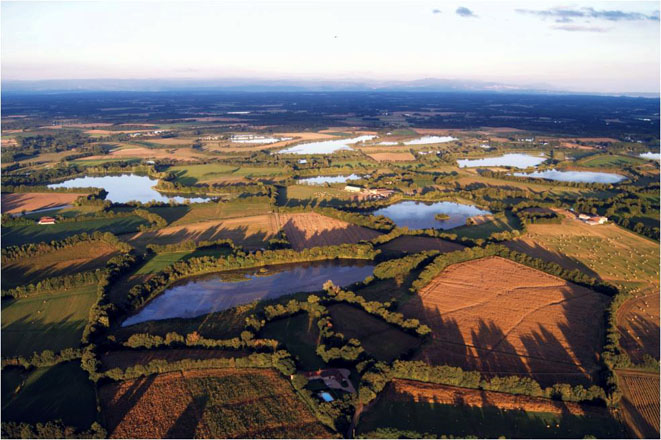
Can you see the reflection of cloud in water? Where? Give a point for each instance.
(325, 147)
(216, 292)
(420, 215)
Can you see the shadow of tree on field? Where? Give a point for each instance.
(459, 418)
(563, 348)
(185, 426)
(126, 401)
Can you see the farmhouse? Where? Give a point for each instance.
(592, 219)
(46, 221)
(353, 188)
(336, 378)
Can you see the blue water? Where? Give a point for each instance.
(574, 176)
(651, 156)
(325, 147)
(320, 180)
(221, 291)
(126, 188)
(420, 215)
(515, 160)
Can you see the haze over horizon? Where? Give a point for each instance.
(587, 47)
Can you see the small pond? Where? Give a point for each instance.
(221, 291)
(650, 155)
(575, 176)
(515, 160)
(126, 188)
(320, 180)
(325, 147)
(420, 215)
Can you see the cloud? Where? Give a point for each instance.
(579, 28)
(568, 14)
(465, 12)
(436, 11)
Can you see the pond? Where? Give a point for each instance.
(650, 155)
(325, 147)
(420, 215)
(425, 140)
(574, 176)
(221, 291)
(256, 139)
(320, 180)
(515, 160)
(126, 188)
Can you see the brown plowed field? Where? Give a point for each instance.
(13, 203)
(502, 318)
(214, 403)
(638, 322)
(306, 230)
(251, 232)
(640, 403)
(413, 244)
(449, 395)
(392, 157)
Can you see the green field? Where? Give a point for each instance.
(63, 392)
(17, 235)
(192, 174)
(97, 162)
(160, 261)
(229, 209)
(379, 339)
(502, 222)
(299, 335)
(609, 161)
(45, 322)
(81, 257)
(487, 422)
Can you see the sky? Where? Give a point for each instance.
(607, 47)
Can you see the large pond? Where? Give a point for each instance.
(651, 156)
(515, 160)
(325, 147)
(320, 180)
(126, 188)
(575, 176)
(221, 291)
(420, 215)
(256, 139)
(425, 140)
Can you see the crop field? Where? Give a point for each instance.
(143, 153)
(640, 402)
(380, 339)
(443, 410)
(63, 392)
(638, 322)
(304, 192)
(251, 232)
(413, 244)
(160, 261)
(503, 318)
(14, 203)
(608, 161)
(52, 321)
(215, 173)
(606, 251)
(299, 334)
(17, 235)
(126, 358)
(392, 157)
(227, 209)
(306, 230)
(227, 403)
(77, 258)
(489, 225)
